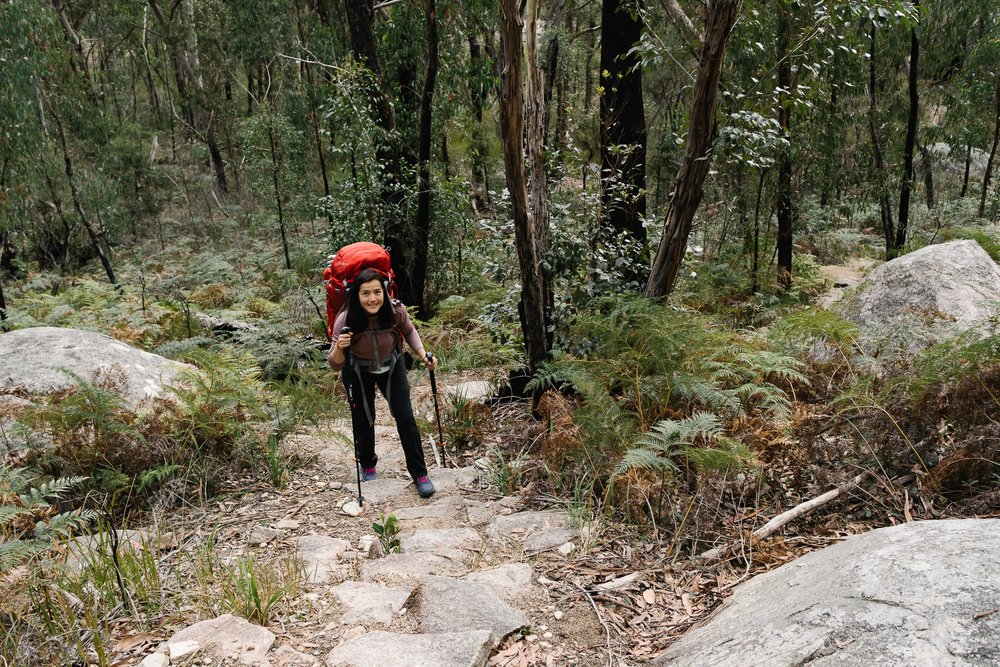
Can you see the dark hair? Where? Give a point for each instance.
(357, 318)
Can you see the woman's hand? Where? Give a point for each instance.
(430, 360)
(343, 341)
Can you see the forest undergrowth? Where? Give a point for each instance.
(667, 430)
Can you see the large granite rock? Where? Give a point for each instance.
(916, 594)
(34, 361)
(955, 285)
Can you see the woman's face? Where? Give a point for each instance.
(371, 296)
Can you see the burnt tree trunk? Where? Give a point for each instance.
(623, 128)
(690, 179)
(360, 16)
(993, 154)
(783, 207)
(92, 232)
(911, 141)
(885, 209)
(477, 151)
(423, 222)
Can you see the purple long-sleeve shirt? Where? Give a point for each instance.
(361, 343)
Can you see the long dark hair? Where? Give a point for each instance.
(357, 318)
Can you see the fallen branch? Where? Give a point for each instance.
(778, 522)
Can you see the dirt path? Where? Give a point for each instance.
(477, 580)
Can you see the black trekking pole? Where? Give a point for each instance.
(349, 384)
(437, 412)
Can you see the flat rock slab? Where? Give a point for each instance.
(957, 282)
(479, 513)
(455, 543)
(535, 531)
(446, 508)
(370, 603)
(321, 555)
(384, 649)
(509, 581)
(920, 594)
(448, 480)
(229, 637)
(452, 604)
(32, 361)
(412, 566)
(384, 489)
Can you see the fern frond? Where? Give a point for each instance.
(9, 513)
(14, 480)
(643, 459)
(727, 455)
(63, 525)
(155, 477)
(15, 552)
(50, 490)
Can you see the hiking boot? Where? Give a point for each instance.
(369, 474)
(424, 487)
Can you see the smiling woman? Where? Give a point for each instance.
(367, 350)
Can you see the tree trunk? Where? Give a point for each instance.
(535, 141)
(885, 210)
(275, 169)
(4, 260)
(993, 154)
(783, 206)
(911, 141)
(187, 67)
(423, 222)
(690, 179)
(928, 162)
(552, 22)
(389, 152)
(477, 151)
(531, 308)
(92, 232)
(623, 128)
(755, 263)
(968, 167)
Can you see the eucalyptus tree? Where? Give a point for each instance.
(519, 102)
(179, 24)
(689, 182)
(22, 24)
(273, 147)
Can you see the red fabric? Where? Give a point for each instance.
(344, 268)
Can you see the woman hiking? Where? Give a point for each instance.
(375, 328)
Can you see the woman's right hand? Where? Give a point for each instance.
(343, 341)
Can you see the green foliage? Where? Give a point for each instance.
(29, 524)
(254, 589)
(386, 528)
(475, 331)
(655, 386)
(669, 442)
(503, 471)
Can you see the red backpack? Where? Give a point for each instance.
(344, 268)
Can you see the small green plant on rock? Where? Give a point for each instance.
(386, 527)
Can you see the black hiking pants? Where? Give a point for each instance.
(398, 387)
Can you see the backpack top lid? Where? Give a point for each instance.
(345, 266)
